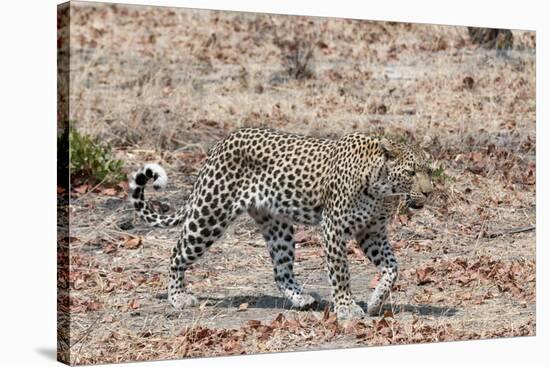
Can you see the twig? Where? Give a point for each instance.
(510, 231)
(86, 333)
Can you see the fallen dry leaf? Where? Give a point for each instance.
(82, 189)
(326, 312)
(132, 242)
(382, 109)
(332, 319)
(78, 308)
(380, 324)
(109, 192)
(423, 275)
(110, 287)
(468, 82)
(134, 304)
(303, 239)
(477, 168)
(388, 313)
(292, 323)
(94, 306)
(109, 248)
(477, 156)
(253, 323)
(353, 326)
(78, 284)
(278, 320)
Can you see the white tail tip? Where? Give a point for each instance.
(159, 175)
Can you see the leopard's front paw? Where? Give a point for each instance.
(302, 301)
(183, 300)
(349, 312)
(375, 305)
(374, 309)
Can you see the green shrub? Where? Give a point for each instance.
(63, 158)
(91, 160)
(439, 175)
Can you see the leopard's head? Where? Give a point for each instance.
(408, 172)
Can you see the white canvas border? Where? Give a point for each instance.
(28, 260)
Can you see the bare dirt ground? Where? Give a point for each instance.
(163, 84)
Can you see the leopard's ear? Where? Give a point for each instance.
(389, 148)
(426, 142)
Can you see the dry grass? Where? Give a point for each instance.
(163, 84)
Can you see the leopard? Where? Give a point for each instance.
(350, 187)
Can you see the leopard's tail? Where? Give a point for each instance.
(137, 196)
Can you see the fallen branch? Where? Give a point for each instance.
(510, 231)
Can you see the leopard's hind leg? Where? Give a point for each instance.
(207, 218)
(278, 233)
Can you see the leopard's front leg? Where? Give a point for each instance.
(338, 270)
(376, 247)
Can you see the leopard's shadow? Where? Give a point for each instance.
(262, 301)
(268, 301)
(421, 310)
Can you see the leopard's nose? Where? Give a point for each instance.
(416, 205)
(427, 190)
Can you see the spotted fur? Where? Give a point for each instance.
(350, 186)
